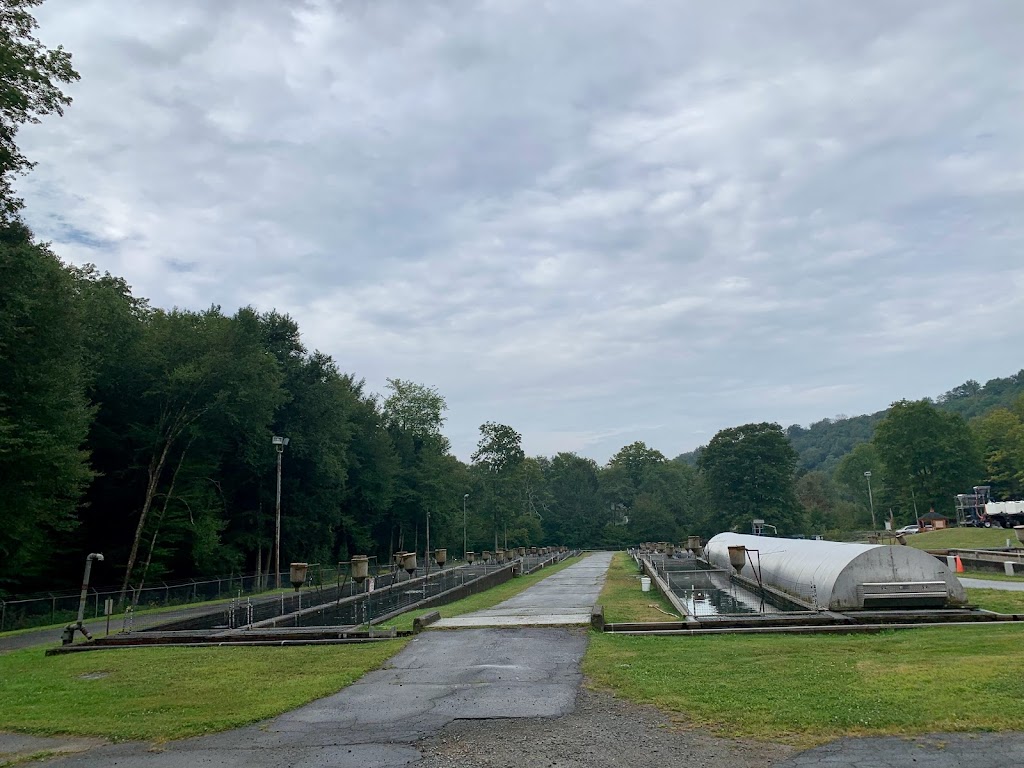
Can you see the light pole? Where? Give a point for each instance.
(464, 497)
(279, 443)
(427, 553)
(871, 500)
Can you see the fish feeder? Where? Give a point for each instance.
(409, 562)
(441, 557)
(297, 574)
(533, 550)
(486, 556)
(522, 551)
(738, 557)
(360, 568)
(499, 556)
(470, 557)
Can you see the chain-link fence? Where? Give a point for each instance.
(57, 607)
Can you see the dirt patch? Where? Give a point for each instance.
(603, 731)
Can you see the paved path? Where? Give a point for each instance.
(1009, 586)
(438, 678)
(475, 674)
(564, 599)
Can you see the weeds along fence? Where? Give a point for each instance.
(40, 609)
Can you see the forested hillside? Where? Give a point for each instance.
(823, 444)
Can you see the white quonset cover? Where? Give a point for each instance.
(833, 569)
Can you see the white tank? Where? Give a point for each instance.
(839, 576)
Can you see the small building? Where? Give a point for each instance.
(935, 519)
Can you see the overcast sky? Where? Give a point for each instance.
(597, 221)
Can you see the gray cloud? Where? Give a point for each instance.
(595, 222)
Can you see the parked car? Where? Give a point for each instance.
(908, 529)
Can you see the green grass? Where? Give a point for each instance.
(622, 599)
(172, 693)
(482, 600)
(963, 538)
(998, 600)
(807, 689)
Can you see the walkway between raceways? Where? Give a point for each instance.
(439, 677)
(1009, 586)
(564, 599)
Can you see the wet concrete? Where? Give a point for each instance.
(566, 598)
(439, 677)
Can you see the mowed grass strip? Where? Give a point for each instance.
(963, 538)
(482, 600)
(172, 693)
(998, 600)
(623, 600)
(807, 689)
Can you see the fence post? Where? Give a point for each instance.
(3, 614)
(53, 608)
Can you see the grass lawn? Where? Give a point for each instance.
(622, 599)
(481, 600)
(998, 600)
(963, 538)
(807, 689)
(171, 693)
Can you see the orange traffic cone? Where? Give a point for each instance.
(959, 565)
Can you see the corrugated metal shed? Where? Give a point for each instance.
(834, 574)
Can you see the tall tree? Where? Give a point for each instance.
(498, 460)
(30, 78)
(625, 472)
(929, 455)
(749, 474)
(44, 416)
(1000, 435)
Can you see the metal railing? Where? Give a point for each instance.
(55, 607)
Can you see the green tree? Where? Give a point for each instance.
(30, 78)
(748, 472)
(44, 416)
(929, 455)
(498, 462)
(577, 511)
(1000, 436)
(625, 472)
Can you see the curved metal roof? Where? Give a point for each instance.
(828, 573)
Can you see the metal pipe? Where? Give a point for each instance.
(68, 635)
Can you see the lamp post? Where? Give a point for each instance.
(871, 500)
(427, 553)
(464, 497)
(279, 443)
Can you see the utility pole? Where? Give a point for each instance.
(279, 443)
(464, 497)
(428, 545)
(871, 501)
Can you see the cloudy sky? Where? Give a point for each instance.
(597, 222)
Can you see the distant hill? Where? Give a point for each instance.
(823, 444)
